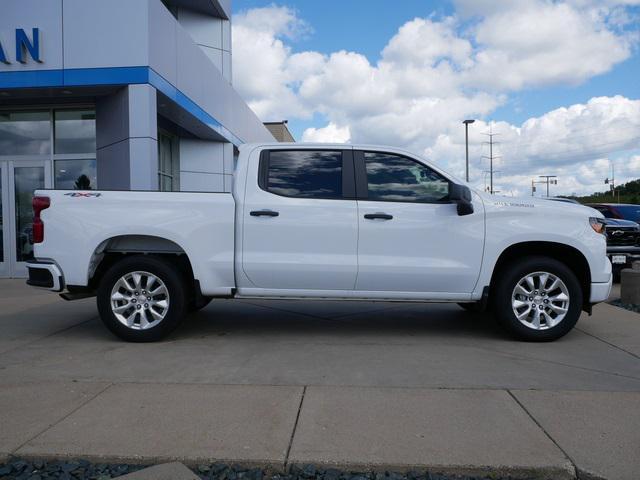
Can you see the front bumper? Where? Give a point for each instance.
(600, 291)
(630, 254)
(45, 274)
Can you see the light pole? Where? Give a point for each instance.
(466, 142)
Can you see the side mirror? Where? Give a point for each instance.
(461, 195)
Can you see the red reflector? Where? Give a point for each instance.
(39, 204)
(38, 231)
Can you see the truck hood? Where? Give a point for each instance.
(540, 204)
(617, 222)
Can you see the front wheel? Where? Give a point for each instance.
(537, 299)
(141, 298)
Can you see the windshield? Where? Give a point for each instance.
(629, 212)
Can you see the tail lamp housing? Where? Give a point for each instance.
(39, 204)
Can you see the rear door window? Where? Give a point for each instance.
(303, 173)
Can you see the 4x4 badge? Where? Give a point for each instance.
(83, 194)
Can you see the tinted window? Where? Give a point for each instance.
(399, 179)
(605, 211)
(305, 173)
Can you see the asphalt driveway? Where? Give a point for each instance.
(361, 385)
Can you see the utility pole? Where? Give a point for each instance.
(612, 182)
(486, 172)
(491, 157)
(466, 144)
(549, 180)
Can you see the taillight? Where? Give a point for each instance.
(39, 204)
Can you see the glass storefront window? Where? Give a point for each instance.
(27, 179)
(1, 221)
(75, 131)
(25, 133)
(76, 174)
(168, 163)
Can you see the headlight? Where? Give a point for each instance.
(597, 224)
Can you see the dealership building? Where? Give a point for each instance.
(114, 94)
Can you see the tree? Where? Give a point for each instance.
(83, 183)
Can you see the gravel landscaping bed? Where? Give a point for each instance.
(628, 306)
(17, 469)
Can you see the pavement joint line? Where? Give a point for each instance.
(609, 343)
(49, 335)
(295, 427)
(319, 385)
(64, 417)
(547, 434)
(568, 365)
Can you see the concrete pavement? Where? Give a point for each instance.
(361, 385)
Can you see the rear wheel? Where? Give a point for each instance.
(537, 299)
(141, 298)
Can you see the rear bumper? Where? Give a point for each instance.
(45, 274)
(600, 291)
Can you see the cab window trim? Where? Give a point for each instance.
(348, 172)
(362, 179)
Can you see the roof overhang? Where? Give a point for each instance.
(216, 8)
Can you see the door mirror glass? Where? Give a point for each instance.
(461, 195)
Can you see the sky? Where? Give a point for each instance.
(557, 81)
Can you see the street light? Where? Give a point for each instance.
(466, 142)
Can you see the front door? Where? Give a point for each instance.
(18, 181)
(411, 238)
(300, 227)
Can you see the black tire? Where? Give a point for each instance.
(507, 280)
(167, 273)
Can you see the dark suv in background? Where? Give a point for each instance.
(623, 233)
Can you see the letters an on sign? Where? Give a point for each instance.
(24, 46)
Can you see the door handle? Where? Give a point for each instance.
(381, 216)
(264, 213)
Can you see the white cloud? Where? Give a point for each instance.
(541, 43)
(435, 72)
(329, 134)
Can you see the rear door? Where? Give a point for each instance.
(300, 225)
(411, 237)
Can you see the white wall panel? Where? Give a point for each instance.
(201, 156)
(162, 41)
(215, 55)
(203, 29)
(106, 34)
(201, 182)
(28, 14)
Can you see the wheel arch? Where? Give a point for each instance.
(118, 247)
(566, 254)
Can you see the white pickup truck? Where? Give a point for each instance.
(321, 221)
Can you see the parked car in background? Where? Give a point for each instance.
(623, 233)
(621, 211)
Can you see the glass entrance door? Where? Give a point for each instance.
(20, 179)
(5, 265)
